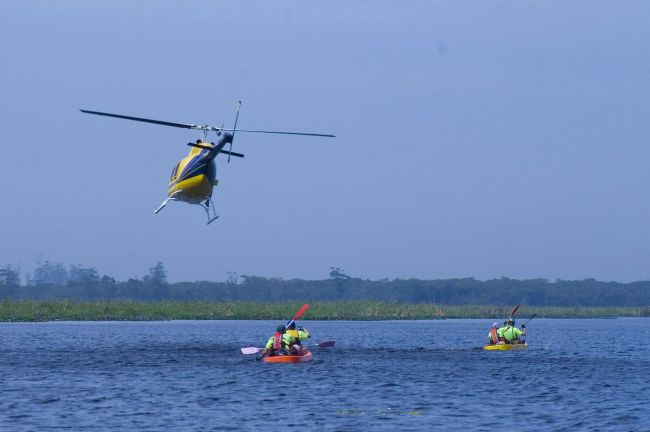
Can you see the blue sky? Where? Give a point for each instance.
(474, 138)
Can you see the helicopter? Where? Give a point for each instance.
(194, 177)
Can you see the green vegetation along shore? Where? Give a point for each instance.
(62, 310)
(56, 282)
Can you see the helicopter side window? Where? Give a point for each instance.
(175, 171)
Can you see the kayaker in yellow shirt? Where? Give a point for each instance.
(511, 334)
(298, 335)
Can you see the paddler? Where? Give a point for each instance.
(279, 344)
(493, 334)
(511, 334)
(298, 335)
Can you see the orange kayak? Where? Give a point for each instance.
(301, 358)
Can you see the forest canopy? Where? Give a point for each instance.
(51, 281)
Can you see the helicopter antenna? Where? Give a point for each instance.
(234, 129)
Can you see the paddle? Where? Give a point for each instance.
(326, 343)
(533, 316)
(298, 314)
(255, 350)
(514, 311)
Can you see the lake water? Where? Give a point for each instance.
(386, 376)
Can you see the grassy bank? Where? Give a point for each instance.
(356, 310)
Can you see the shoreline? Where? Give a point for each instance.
(66, 310)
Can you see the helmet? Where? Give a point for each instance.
(495, 324)
(292, 325)
(281, 328)
(511, 321)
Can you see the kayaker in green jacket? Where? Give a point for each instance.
(279, 344)
(511, 334)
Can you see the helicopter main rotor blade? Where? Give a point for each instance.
(160, 122)
(201, 127)
(281, 133)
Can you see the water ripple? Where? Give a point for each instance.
(413, 376)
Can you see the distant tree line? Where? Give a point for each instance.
(56, 281)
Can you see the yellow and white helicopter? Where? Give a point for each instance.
(194, 177)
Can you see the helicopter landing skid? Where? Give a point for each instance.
(170, 197)
(206, 207)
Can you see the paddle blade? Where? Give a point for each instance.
(250, 350)
(301, 311)
(533, 316)
(298, 314)
(327, 343)
(514, 311)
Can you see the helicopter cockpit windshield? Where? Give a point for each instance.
(174, 172)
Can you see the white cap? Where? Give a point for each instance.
(495, 324)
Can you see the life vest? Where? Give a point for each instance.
(494, 337)
(296, 336)
(277, 341)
